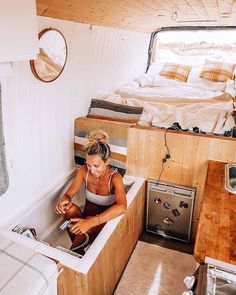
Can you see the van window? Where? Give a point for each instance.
(192, 47)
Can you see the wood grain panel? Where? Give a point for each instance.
(199, 176)
(189, 158)
(107, 269)
(142, 16)
(216, 235)
(71, 287)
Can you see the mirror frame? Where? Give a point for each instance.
(32, 64)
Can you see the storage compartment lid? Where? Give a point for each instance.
(23, 271)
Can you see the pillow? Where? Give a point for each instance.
(195, 81)
(217, 71)
(154, 68)
(175, 71)
(194, 75)
(159, 81)
(145, 80)
(101, 109)
(117, 132)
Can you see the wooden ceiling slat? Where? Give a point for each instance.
(225, 6)
(225, 10)
(211, 7)
(167, 4)
(140, 15)
(204, 8)
(198, 8)
(233, 15)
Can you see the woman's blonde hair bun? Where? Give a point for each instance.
(98, 135)
(98, 144)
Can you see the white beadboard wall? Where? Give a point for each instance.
(38, 117)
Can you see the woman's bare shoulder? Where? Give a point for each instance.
(117, 178)
(82, 170)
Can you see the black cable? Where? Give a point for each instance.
(167, 156)
(167, 148)
(162, 168)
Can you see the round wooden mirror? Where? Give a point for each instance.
(52, 55)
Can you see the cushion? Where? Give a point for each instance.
(195, 81)
(194, 74)
(175, 71)
(101, 109)
(154, 68)
(117, 132)
(145, 80)
(217, 71)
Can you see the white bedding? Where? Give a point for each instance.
(190, 106)
(200, 103)
(166, 94)
(166, 88)
(210, 117)
(200, 84)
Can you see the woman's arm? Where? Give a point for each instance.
(65, 202)
(120, 207)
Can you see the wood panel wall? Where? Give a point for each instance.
(143, 16)
(189, 158)
(106, 271)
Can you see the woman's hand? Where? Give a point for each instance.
(63, 205)
(82, 225)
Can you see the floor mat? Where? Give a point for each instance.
(154, 270)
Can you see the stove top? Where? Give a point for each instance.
(221, 278)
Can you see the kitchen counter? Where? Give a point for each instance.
(216, 233)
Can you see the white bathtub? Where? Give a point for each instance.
(46, 222)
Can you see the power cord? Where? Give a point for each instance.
(167, 156)
(162, 168)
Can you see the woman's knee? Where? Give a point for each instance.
(73, 212)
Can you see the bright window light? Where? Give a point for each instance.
(156, 283)
(215, 37)
(193, 47)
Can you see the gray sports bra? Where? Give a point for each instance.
(98, 199)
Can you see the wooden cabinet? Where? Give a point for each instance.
(216, 234)
(18, 30)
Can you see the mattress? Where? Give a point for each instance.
(191, 107)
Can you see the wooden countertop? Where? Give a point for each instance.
(216, 233)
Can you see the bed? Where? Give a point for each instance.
(198, 103)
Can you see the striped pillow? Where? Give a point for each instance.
(101, 109)
(217, 71)
(175, 71)
(117, 132)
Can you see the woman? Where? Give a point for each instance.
(105, 194)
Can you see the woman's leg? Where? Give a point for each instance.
(73, 212)
(83, 240)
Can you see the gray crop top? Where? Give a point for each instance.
(98, 199)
